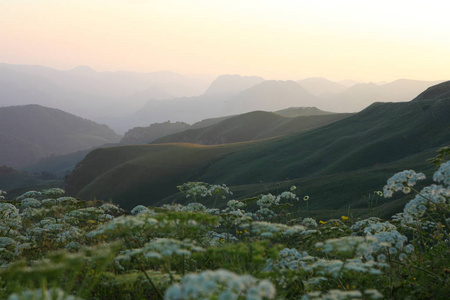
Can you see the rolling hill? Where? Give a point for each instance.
(31, 132)
(358, 153)
(143, 135)
(250, 126)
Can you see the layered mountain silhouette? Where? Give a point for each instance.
(124, 100)
(358, 152)
(31, 132)
(109, 97)
(319, 86)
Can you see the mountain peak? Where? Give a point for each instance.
(227, 85)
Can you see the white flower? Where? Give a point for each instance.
(401, 181)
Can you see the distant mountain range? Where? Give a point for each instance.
(106, 97)
(124, 100)
(31, 132)
(358, 152)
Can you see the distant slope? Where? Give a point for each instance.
(143, 135)
(250, 126)
(270, 95)
(378, 138)
(229, 85)
(292, 112)
(319, 86)
(194, 109)
(30, 132)
(362, 95)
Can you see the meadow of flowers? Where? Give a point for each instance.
(58, 247)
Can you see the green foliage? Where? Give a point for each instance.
(254, 249)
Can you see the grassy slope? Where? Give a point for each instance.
(250, 126)
(330, 160)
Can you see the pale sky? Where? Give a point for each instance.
(362, 40)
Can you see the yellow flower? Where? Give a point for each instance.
(344, 218)
(322, 222)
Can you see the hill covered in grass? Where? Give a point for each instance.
(250, 126)
(31, 132)
(376, 141)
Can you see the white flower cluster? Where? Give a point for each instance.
(124, 224)
(309, 222)
(268, 201)
(139, 209)
(351, 246)
(443, 174)
(235, 204)
(39, 294)
(369, 294)
(2, 194)
(162, 247)
(53, 193)
(289, 259)
(29, 194)
(288, 196)
(433, 195)
(402, 181)
(269, 230)
(10, 218)
(220, 284)
(196, 190)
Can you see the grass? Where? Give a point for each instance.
(355, 154)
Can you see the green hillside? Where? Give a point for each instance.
(342, 160)
(30, 132)
(250, 126)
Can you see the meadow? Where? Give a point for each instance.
(57, 247)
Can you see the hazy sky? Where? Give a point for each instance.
(279, 39)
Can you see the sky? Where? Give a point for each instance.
(361, 40)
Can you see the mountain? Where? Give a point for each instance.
(359, 152)
(194, 109)
(362, 95)
(107, 97)
(229, 85)
(144, 135)
(248, 127)
(270, 95)
(319, 86)
(31, 132)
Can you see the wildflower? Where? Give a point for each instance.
(344, 218)
(402, 181)
(52, 293)
(322, 222)
(309, 222)
(443, 174)
(379, 193)
(220, 284)
(306, 198)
